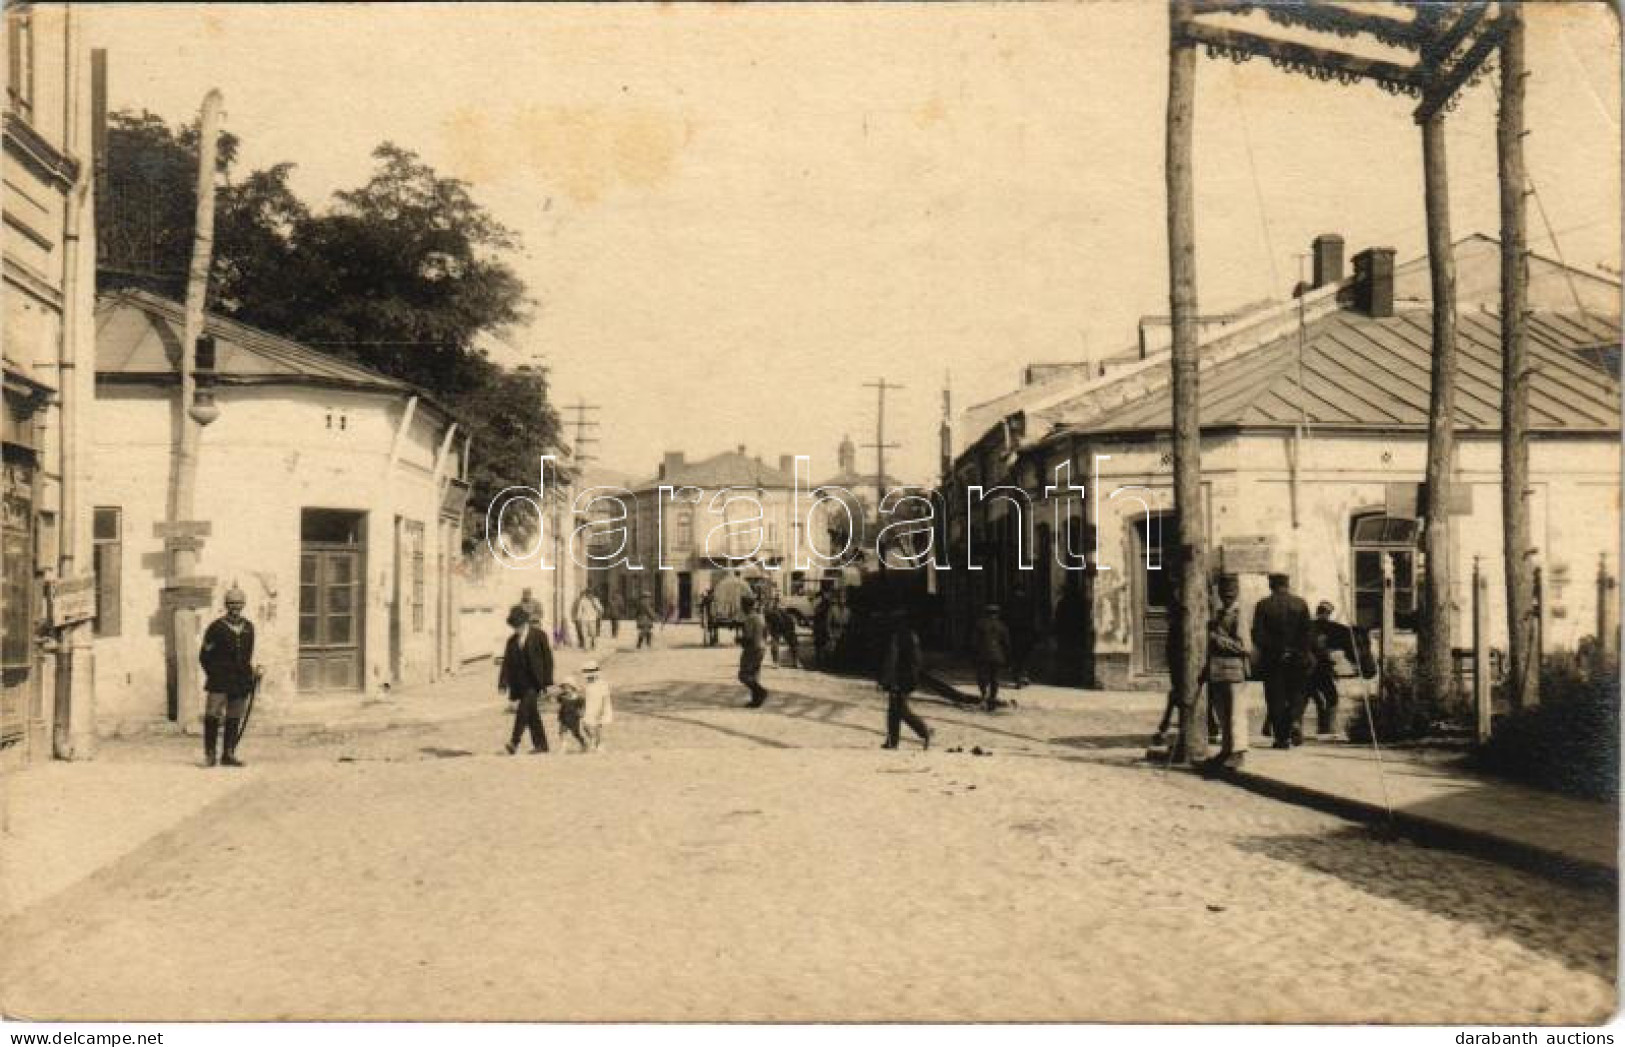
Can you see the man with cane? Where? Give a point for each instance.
(230, 677)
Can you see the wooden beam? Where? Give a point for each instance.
(1316, 14)
(1441, 47)
(1190, 600)
(1433, 648)
(1313, 61)
(1523, 612)
(1446, 82)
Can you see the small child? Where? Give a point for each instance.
(599, 711)
(571, 703)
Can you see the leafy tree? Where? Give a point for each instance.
(401, 274)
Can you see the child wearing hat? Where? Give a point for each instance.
(598, 711)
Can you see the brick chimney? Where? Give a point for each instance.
(787, 464)
(1374, 281)
(1328, 259)
(669, 464)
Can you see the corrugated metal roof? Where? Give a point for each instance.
(1360, 372)
(139, 334)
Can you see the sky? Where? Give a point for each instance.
(734, 217)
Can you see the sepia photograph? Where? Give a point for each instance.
(523, 518)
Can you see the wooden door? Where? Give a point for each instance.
(1156, 537)
(329, 618)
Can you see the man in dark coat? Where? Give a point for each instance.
(753, 637)
(990, 650)
(527, 671)
(227, 657)
(899, 675)
(1327, 638)
(1282, 638)
(614, 611)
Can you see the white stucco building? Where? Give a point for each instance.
(1314, 438)
(333, 497)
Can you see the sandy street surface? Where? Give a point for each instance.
(723, 863)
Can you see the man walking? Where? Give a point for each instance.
(990, 649)
(646, 620)
(1329, 638)
(527, 671)
(614, 611)
(586, 613)
(754, 637)
(227, 657)
(899, 675)
(1281, 635)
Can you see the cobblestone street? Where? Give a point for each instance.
(717, 862)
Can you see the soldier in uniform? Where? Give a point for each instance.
(753, 635)
(227, 657)
(1281, 635)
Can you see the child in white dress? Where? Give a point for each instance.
(599, 710)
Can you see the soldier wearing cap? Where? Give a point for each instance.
(1281, 635)
(227, 657)
(990, 650)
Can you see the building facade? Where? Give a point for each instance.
(332, 496)
(1313, 450)
(48, 241)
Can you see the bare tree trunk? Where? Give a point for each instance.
(1191, 596)
(1524, 676)
(1433, 663)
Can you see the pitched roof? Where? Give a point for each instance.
(138, 335)
(1360, 372)
(728, 469)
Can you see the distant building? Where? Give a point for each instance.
(334, 498)
(1313, 448)
(49, 246)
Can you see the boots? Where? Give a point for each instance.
(211, 733)
(229, 757)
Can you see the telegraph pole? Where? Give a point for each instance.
(183, 535)
(579, 457)
(880, 445)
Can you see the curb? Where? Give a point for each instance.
(1430, 832)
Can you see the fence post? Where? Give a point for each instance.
(1481, 652)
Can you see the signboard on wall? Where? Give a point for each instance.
(1408, 499)
(1248, 553)
(73, 600)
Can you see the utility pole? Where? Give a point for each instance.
(182, 535)
(1191, 561)
(579, 457)
(1519, 552)
(880, 445)
(1435, 645)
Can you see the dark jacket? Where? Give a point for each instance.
(529, 671)
(1281, 628)
(990, 642)
(900, 669)
(227, 657)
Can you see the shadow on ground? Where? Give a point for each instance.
(1544, 911)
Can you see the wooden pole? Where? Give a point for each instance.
(183, 558)
(1523, 678)
(1191, 593)
(1433, 662)
(1481, 652)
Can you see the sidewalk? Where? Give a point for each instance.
(463, 693)
(1437, 801)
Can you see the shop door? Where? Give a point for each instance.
(1155, 537)
(17, 601)
(331, 598)
(685, 596)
